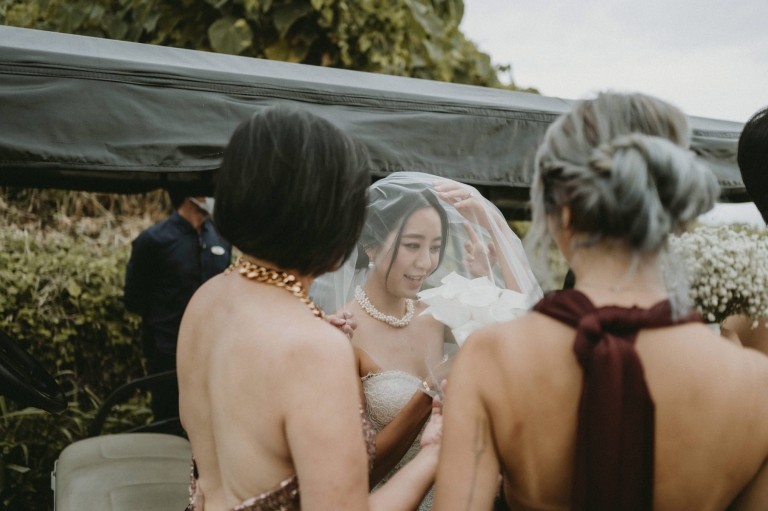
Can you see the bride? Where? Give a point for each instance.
(418, 229)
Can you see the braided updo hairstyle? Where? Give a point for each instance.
(621, 163)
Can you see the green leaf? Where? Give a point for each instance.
(150, 22)
(252, 11)
(434, 51)
(66, 16)
(115, 29)
(22, 15)
(287, 15)
(230, 35)
(364, 43)
(218, 4)
(17, 468)
(74, 289)
(457, 6)
(283, 50)
(426, 17)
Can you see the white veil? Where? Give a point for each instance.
(479, 256)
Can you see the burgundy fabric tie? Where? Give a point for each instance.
(613, 469)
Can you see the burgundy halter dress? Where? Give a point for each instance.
(614, 461)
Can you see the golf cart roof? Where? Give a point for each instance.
(96, 114)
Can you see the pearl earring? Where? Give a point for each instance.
(370, 264)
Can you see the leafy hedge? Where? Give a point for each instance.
(60, 297)
(417, 38)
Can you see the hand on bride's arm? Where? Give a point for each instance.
(344, 321)
(433, 432)
(411, 483)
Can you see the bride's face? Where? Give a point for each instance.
(417, 256)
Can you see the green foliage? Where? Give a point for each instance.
(417, 38)
(61, 298)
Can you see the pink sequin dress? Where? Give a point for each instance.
(283, 497)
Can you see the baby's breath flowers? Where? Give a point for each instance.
(728, 270)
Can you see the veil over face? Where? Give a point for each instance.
(459, 231)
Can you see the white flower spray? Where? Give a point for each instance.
(728, 271)
(465, 305)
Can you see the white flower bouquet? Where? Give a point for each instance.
(728, 271)
(465, 305)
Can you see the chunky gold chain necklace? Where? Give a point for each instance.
(273, 277)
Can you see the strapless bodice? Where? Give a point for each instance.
(386, 394)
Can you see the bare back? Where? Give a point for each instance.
(260, 377)
(709, 395)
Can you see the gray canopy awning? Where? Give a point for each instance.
(87, 113)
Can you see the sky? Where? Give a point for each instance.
(708, 57)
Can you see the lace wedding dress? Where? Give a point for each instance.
(386, 394)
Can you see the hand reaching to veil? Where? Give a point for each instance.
(479, 258)
(467, 202)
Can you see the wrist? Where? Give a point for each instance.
(430, 454)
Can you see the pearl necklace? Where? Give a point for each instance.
(372, 311)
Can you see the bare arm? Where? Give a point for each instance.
(755, 338)
(394, 440)
(323, 426)
(407, 488)
(468, 473)
(755, 496)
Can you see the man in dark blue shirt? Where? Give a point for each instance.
(169, 261)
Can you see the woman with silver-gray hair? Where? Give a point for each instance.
(646, 408)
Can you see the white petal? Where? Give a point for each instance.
(480, 297)
(451, 313)
(453, 289)
(460, 337)
(483, 315)
(461, 333)
(433, 298)
(455, 278)
(480, 282)
(503, 312)
(428, 293)
(515, 299)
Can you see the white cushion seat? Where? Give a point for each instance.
(125, 472)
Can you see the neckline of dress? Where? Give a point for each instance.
(371, 375)
(624, 307)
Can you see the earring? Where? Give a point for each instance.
(370, 264)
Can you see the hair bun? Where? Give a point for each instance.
(659, 184)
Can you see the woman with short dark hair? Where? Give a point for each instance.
(612, 395)
(268, 391)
